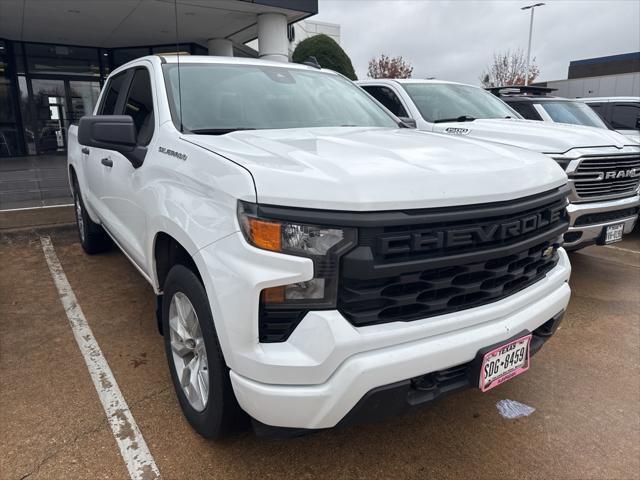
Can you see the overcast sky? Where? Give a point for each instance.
(455, 39)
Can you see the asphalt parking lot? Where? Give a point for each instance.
(584, 386)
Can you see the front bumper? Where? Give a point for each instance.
(603, 214)
(327, 366)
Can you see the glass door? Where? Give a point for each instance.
(83, 96)
(50, 119)
(56, 104)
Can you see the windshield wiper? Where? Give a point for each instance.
(217, 131)
(461, 118)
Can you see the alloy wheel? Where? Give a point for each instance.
(189, 351)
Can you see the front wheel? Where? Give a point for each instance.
(198, 371)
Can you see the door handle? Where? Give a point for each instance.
(107, 162)
(85, 150)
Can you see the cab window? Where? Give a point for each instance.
(625, 117)
(139, 105)
(110, 100)
(388, 98)
(526, 109)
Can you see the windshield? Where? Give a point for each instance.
(575, 113)
(439, 102)
(219, 98)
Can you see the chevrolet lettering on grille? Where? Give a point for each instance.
(427, 240)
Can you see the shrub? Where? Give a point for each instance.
(328, 53)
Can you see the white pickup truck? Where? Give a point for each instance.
(603, 166)
(315, 264)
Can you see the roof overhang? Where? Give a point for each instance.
(129, 23)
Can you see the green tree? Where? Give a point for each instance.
(328, 53)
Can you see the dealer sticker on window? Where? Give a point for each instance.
(504, 362)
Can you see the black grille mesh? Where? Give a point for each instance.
(277, 325)
(422, 294)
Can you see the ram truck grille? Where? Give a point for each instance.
(447, 260)
(606, 177)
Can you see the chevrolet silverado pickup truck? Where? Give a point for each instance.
(603, 166)
(315, 263)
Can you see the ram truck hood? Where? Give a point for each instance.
(544, 137)
(372, 169)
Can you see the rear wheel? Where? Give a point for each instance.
(198, 371)
(92, 236)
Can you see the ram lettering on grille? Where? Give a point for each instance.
(607, 177)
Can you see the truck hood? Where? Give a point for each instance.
(370, 169)
(544, 137)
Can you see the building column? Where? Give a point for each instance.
(272, 37)
(220, 47)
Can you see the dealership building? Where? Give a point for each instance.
(610, 76)
(56, 54)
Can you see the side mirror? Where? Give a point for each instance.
(638, 122)
(112, 132)
(408, 122)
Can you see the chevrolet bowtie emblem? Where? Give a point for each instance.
(548, 252)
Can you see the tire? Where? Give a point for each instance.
(213, 414)
(93, 238)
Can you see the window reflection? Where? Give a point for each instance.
(44, 88)
(9, 135)
(62, 59)
(51, 119)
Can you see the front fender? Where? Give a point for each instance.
(179, 234)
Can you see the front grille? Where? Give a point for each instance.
(607, 177)
(422, 294)
(388, 278)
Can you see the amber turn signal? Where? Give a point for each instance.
(266, 235)
(273, 295)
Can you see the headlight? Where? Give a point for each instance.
(322, 244)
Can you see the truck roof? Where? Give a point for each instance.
(609, 99)
(210, 59)
(409, 80)
(526, 93)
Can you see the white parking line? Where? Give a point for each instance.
(133, 448)
(622, 249)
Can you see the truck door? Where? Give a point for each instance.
(111, 104)
(122, 182)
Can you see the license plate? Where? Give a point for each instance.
(614, 233)
(504, 362)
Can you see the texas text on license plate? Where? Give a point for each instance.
(504, 362)
(614, 233)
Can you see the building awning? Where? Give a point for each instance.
(130, 23)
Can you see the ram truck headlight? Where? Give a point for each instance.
(322, 244)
